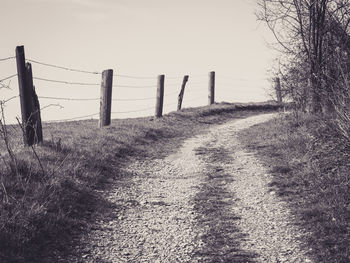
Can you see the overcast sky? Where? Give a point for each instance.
(138, 38)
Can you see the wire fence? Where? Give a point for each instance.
(9, 99)
(8, 58)
(66, 82)
(174, 87)
(64, 68)
(9, 77)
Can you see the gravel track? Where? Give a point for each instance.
(209, 202)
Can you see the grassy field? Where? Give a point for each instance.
(310, 164)
(45, 201)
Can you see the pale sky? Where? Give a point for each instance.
(138, 38)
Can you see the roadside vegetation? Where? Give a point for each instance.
(309, 160)
(47, 193)
(308, 150)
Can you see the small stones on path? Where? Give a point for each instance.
(209, 202)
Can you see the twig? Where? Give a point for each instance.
(32, 147)
(6, 139)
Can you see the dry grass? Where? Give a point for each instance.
(42, 210)
(310, 164)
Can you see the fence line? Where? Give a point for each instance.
(86, 71)
(132, 77)
(140, 110)
(30, 97)
(2, 85)
(134, 87)
(9, 77)
(171, 93)
(241, 79)
(67, 82)
(192, 75)
(90, 99)
(97, 99)
(75, 118)
(70, 99)
(149, 98)
(95, 114)
(9, 99)
(64, 68)
(91, 84)
(8, 58)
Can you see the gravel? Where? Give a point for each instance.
(209, 202)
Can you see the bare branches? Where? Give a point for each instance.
(309, 31)
(5, 137)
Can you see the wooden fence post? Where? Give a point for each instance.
(32, 132)
(35, 115)
(106, 98)
(211, 95)
(160, 96)
(278, 90)
(181, 95)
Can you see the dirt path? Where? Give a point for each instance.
(209, 202)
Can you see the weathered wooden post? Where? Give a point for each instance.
(278, 90)
(106, 98)
(31, 128)
(35, 115)
(211, 95)
(181, 95)
(160, 96)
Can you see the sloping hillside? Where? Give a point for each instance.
(49, 193)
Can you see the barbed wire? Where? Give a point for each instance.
(67, 82)
(197, 83)
(9, 99)
(64, 68)
(195, 99)
(75, 118)
(149, 98)
(132, 77)
(134, 87)
(9, 77)
(189, 90)
(181, 76)
(169, 105)
(95, 114)
(188, 84)
(173, 77)
(4, 86)
(171, 93)
(69, 99)
(240, 79)
(199, 75)
(226, 86)
(86, 71)
(90, 99)
(92, 84)
(116, 112)
(52, 105)
(8, 58)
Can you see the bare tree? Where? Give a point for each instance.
(305, 31)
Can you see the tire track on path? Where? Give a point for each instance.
(270, 231)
